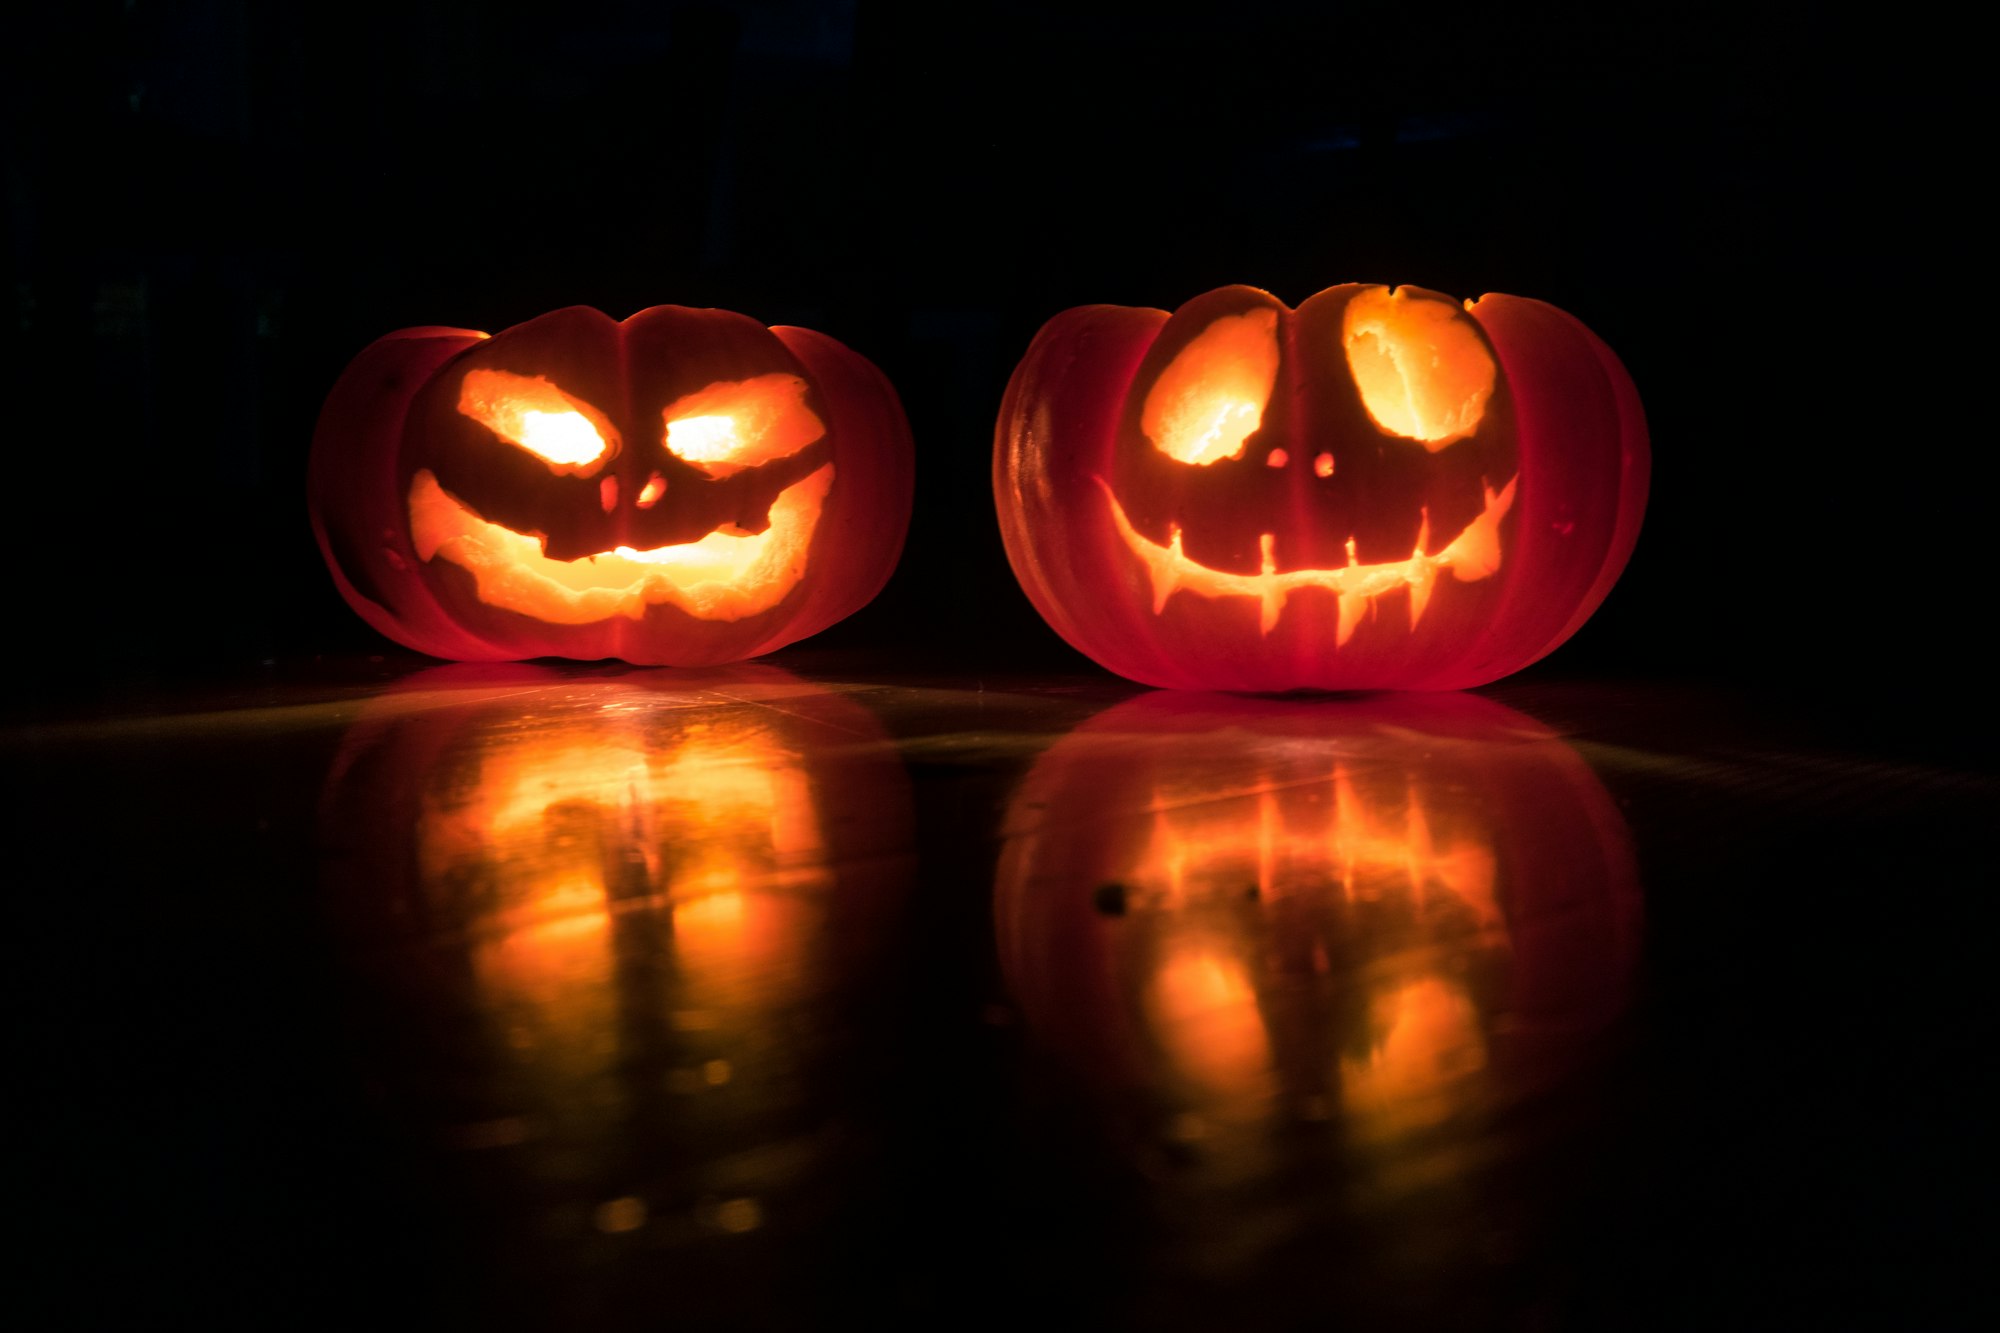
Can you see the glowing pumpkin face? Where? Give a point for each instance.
(1236, 913)
(683, 488)
(1380, 489)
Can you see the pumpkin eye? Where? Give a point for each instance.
(1211, 397)
(735, 424)
(529, 412)
(1423, 370)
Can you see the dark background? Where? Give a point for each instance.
(213, 206)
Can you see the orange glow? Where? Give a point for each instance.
(710, 832)
(1205, 1012)
(1427, 1042)
(723, 576)
(1323, 465)
(650, 493)
(1258, 931)
(1211, 397)
(735, 424)
(527, 411)
(1232, 876)
(616, 934)
(1423, 369)
(1473, 554)
(1278, 834)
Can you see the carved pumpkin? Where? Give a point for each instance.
(684, 488)
(620, 928)
(1233, 914)
(1380, 489)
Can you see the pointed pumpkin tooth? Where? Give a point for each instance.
(1422, 584)
(1352, 606)
(1272, 607)
(1166, 573)
(1272, 604)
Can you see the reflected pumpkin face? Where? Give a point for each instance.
(615, 921)
(1331, 865)
(716, 833)
(661, 489)
(1380, 489)
(1380, 915)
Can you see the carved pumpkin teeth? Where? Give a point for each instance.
(1421, 588)
(1473, 555)
(1165, 574)
(1273, 602)
(1352, 604)
(723, 576)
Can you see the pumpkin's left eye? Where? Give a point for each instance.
(734, 424)
(1210, 399)
(527, 411)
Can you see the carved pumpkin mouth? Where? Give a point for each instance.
(1472, 555)
(722, 576)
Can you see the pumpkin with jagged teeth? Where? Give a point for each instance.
(685, 487)
(1379, 489)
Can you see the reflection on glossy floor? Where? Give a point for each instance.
(637, 998)
(1379, 918)
(616, 928)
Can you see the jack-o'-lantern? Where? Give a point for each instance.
(622, 929)
(1387, 919)
(684, 488)
(1378, 490)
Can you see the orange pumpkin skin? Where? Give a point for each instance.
(1330, 552)
(454, 538)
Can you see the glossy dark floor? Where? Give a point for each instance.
(590, 998)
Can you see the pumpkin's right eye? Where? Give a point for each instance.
(735, 424)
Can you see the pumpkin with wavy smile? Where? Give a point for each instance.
(685, 487)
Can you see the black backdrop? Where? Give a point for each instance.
(214, 205)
